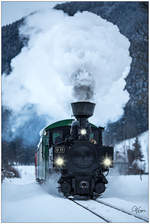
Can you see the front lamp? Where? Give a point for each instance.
(83, 131)
(107, 162)
(59, 161)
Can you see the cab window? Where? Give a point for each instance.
(94, 135)
(57, 136)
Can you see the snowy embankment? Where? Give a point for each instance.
(128, 144)
(23, 200)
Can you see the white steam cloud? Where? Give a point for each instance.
(82, 57)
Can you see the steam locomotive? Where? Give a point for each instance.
(74, 149)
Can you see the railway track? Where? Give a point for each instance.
(102, 218)
(107, 212)
(122, 210)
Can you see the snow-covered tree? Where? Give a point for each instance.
(137, 149)
(135, 158)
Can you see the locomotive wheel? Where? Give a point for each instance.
(66, 188)
(100, 188)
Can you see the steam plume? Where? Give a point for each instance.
(82, 57)
(83, 84)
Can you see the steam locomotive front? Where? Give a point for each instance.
(82, 164)
(80, 167)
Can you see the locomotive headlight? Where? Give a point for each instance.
(107, 162)
(59, 161)
(83, 131)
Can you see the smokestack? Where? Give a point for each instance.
(83, 109)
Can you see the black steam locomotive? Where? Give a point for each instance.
(74, 149)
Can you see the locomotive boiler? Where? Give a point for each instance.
(74, 149)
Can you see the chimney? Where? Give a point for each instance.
(83, 109)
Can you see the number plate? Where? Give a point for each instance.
(59, 149)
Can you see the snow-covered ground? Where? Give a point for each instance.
(23, 200)
(132, 190)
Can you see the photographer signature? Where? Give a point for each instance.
(137, 209)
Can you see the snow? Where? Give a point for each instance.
(114, 216)
(23, 200)
(132, 190)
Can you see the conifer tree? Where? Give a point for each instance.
(137, 149)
